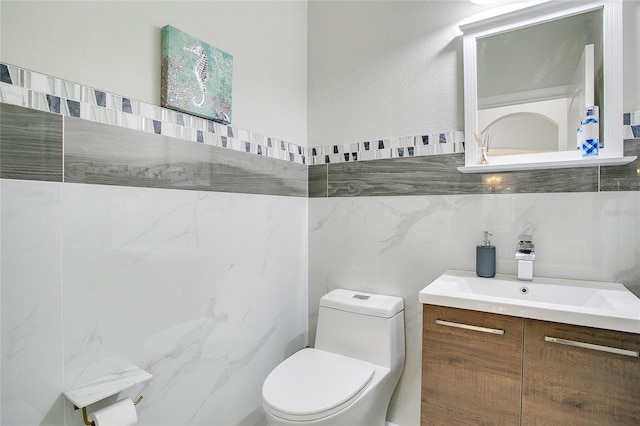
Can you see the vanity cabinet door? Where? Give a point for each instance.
(569, 383)
(470, 375)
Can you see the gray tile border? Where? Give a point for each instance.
(101, 154)
(438, 175)
(104, 154)
(407, 176)
(30, 144)
(623, 178)
(157, 147)
(318, 181)
(579, 179)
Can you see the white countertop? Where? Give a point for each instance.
(587, 303)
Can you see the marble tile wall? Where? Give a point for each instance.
(32, 363)
(392, 226)
(207, 291)
(398, 244)
(124, 246)
(207, 288)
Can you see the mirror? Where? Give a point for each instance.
(534, 83)
(529, 76)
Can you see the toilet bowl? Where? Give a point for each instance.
(349, 376)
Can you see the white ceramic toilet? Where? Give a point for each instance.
(350, 375)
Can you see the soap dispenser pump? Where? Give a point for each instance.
(486, 258)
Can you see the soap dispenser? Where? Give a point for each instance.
(486, 258)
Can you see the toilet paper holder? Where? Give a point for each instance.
(84, 411)
(84, 394)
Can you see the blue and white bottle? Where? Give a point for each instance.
(589, 133)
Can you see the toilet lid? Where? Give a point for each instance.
(312, 384)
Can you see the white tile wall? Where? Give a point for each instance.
(206, 291)
(31, 304)
(398, 245)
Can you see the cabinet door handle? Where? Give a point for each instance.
(469, 327)
(592, 346)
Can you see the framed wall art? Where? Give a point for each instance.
(196, 77)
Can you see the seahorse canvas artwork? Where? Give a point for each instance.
(196, 77)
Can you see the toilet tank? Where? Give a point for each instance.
(361, 325)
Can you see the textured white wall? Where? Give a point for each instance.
(380, 69)
(631, 46)
(115, 46)
(375, 68)
(391, 68)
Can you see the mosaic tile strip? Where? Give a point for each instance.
(44, 93)
(400, 147)
(38, 91)
(631, 123)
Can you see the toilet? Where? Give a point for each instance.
(349, 376)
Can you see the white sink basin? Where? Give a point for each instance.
(593, 304)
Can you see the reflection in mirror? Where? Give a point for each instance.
(537, 133)
(534, 83)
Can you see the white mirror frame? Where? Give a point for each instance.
(613, 151)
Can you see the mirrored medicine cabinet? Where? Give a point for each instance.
(529, 75)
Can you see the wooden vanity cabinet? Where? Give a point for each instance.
(471, 367)
(534, 373)
(566, 383)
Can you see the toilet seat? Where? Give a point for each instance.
(312, 384)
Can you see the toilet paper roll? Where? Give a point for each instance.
(122, 413)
